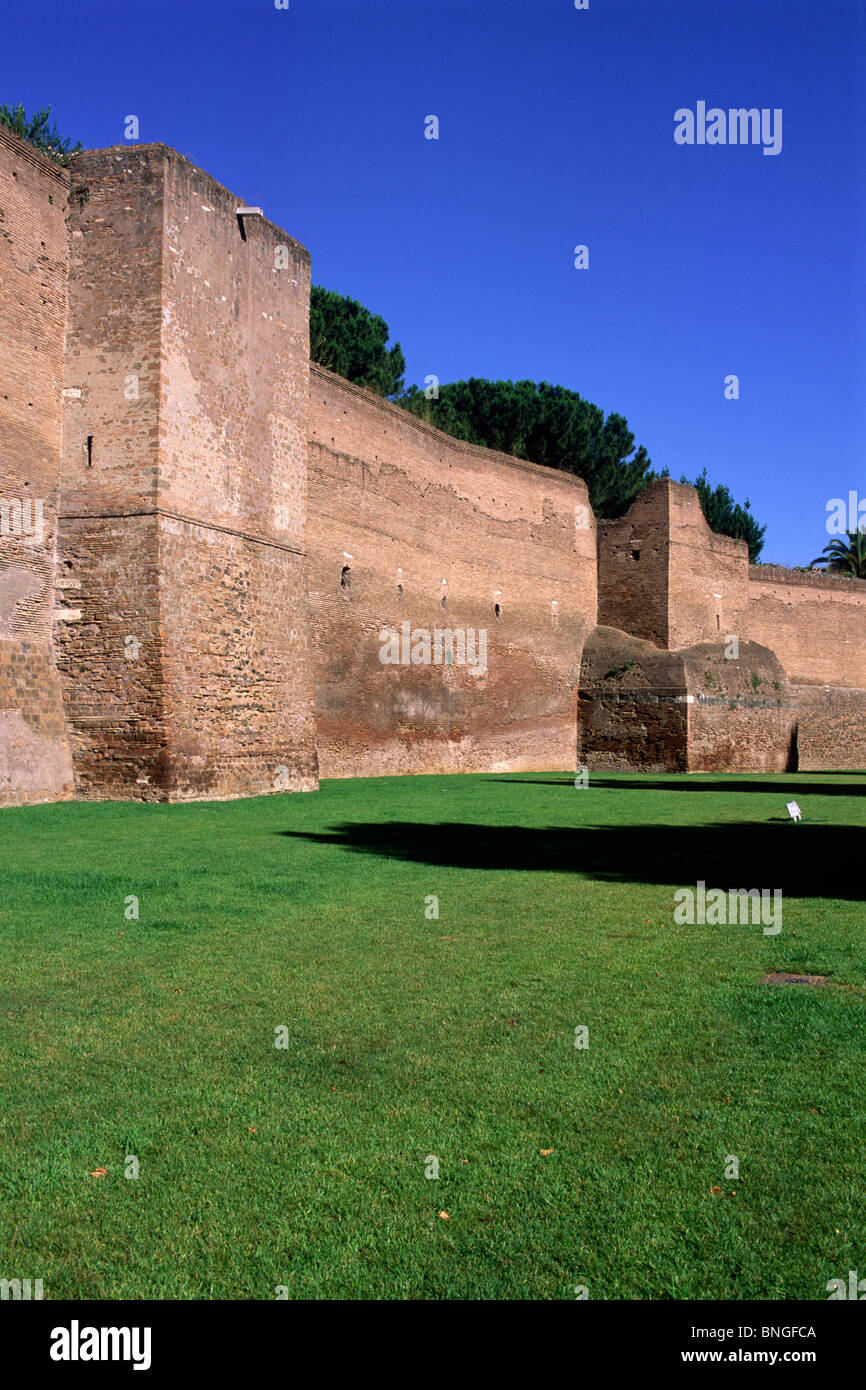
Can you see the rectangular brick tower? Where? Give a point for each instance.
(35, 762)
(663, 575)
(185, 664)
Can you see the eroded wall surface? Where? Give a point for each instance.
(742, 712)
(633, 709)
(692, 710)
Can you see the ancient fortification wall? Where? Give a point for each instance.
(207, 546)
(184, 499)
(35, 762)
(408, 525)
(692, 710)
(816, 624)
(665, 576)
(108, 544)
(832, 727)
(742, 713)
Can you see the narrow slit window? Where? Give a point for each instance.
(89, 447)
(346, 577)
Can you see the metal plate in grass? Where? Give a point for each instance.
(778, 977)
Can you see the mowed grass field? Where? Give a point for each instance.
(411, 1037)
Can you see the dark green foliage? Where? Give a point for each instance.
(36, 129)
(546, 424)
(726, 517)
(845, 556)
(349, 340)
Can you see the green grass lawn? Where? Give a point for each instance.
(410, 1036)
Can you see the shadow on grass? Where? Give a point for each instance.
(805, 861)
(684, 782)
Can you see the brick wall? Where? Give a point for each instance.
(34, 753)
(167, 383)
(742, 711)
(815, 623)
(633, 706)
(396, 508)
(233, 489)
(708, 575)
(633, 563)
(189, 671)
(832, 728)
(110, 648)
(665, 576)
(692, 710)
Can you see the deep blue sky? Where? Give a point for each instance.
(556, 128)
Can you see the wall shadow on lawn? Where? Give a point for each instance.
(805, 861)
(683, 782)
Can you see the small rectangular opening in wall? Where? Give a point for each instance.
(89, 447)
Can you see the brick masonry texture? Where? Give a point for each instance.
(665, 577)
(693, 710)
(35, 761)
(832, 727)
(189, 673)
(230, 534)
(439, 534)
